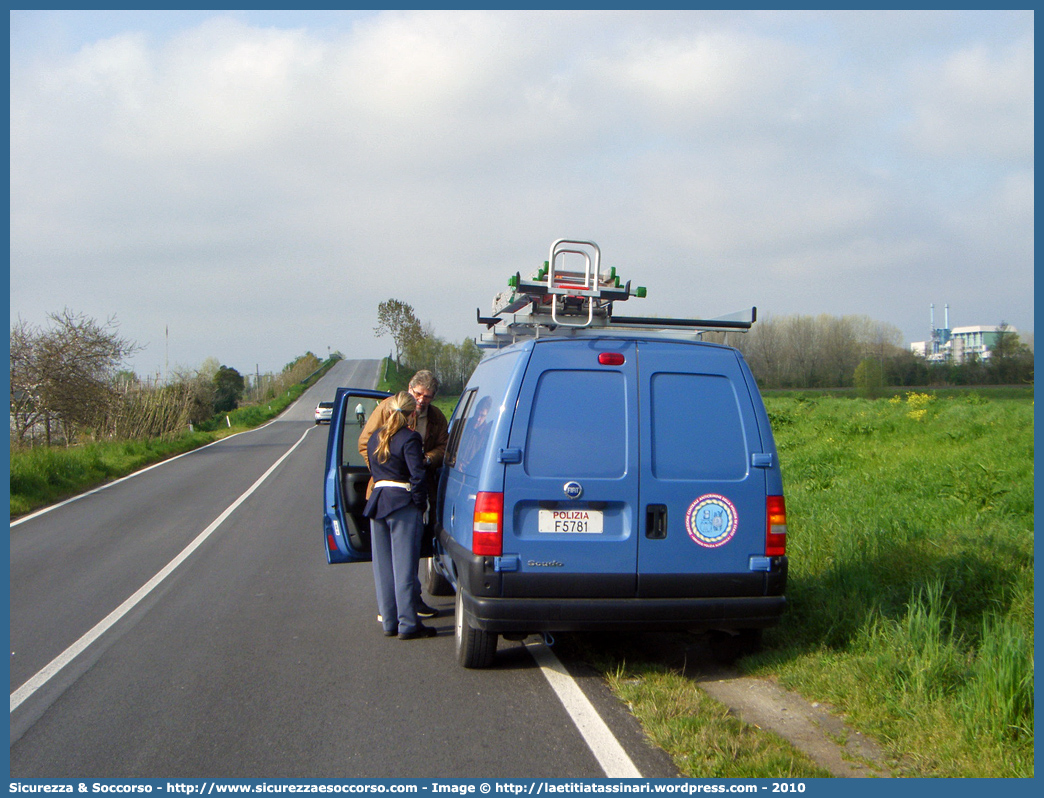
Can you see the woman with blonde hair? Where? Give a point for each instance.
(395, 509)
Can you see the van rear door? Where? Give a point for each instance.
(702, 491)
(570, 476)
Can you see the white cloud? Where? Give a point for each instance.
(976, 103)
(264, 186)
(717, 81)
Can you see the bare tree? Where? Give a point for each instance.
(762, 346)
(26, 408)
(802, 351)
(66, 372)
(840, 348)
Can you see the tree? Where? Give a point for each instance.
(869, 378)
(802, 350)
(906, 368)
(228, 389)
(208, 369)
(1011, 361)
(26, 406)
(66, 372)
(397, 319)
(468, 357)
(840, 348)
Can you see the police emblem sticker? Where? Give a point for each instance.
(711, 520)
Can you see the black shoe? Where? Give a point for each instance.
(420, 631)
(424, 611)
(390, 632)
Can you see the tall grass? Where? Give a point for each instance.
(707, 739)
(911, 573)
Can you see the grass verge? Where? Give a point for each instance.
(42, 476)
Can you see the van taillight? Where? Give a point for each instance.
(488, 530)
(775, 527)
(611, 358)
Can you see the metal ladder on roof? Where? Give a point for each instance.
(556, 300)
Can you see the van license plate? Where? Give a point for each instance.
(570, 521)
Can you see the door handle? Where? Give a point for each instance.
(509, 456)
(656, 521)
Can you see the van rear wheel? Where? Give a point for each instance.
(475, 647)
(434, 582)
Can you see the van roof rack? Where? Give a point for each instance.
(558, 301)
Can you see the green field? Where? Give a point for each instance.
(910, 525)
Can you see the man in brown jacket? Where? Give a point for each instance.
(433, 427)
(429, 421)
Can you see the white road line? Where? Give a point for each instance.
(67, 656)
(603, 744)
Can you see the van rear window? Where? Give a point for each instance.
(697, 430)
(578, 426)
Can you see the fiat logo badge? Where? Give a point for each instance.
(573, 490)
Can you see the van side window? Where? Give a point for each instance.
(697, 430)
(578, 425)
(476, 432)
(457, 427)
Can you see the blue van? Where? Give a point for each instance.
(602, 473)
(605, 473)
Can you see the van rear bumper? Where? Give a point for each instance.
(620, 614)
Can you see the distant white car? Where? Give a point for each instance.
(323, 411)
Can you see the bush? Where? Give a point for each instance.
(869, 378)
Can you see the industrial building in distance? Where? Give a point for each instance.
(957, 344)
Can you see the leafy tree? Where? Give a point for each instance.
(305, 364)
(906, 368)
(397, 319)
(209, 368)
(228, 389)
(467, 358)
(1011, 361)
(452, 364)
(869, 378)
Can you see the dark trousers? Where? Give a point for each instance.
(395, 544)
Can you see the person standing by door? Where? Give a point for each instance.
(433, 427)
(396, 509)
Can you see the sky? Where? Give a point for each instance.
(249, 186)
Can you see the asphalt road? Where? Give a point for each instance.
(254, 658)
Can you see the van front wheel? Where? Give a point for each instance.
(475, 647)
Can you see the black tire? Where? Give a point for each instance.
(749, 641)
(475, 648)
(730, 646)
(435, 584)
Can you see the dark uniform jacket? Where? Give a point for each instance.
(405, 464)
(436, 436)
